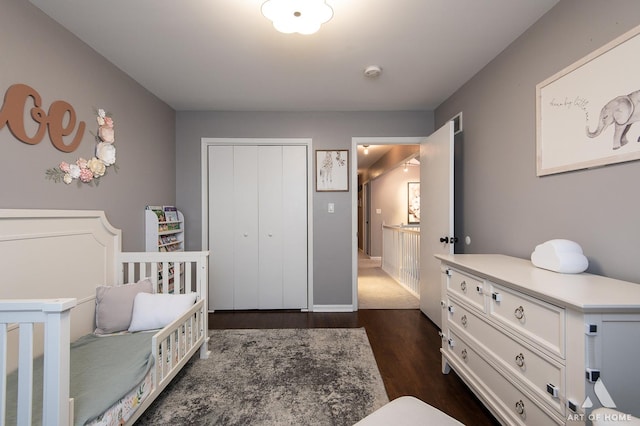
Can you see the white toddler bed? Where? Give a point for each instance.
(52, 262)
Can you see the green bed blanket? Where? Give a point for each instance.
(103, 370)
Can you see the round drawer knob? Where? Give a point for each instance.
(519, 312)
(520, 408)
(520, 360)
(463, 286)
(463, 320)
(464, 354)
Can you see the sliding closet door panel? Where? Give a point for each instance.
(270, 224)
(245, 176)
(221, 219)
(295, 229)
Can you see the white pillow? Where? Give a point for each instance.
(152, 311)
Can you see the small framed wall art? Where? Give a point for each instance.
(332, 170)
(413, 198)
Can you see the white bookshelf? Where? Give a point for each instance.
(163, 235)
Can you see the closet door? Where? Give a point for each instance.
(270, 206)
(246, 237)
(221, 224)
(294, 246)
(258, 227)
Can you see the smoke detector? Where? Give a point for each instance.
(372, 71)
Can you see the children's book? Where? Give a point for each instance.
(170, 213)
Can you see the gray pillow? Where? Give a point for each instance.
(114, 305)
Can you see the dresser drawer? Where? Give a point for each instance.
(538, 321)
(510, 401)
(532, 368)
(467, 287)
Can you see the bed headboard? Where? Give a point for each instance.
(55, 254)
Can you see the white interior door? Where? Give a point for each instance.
(245, 242)
(270, 207)
(294, 247)
(258, 227)
(221, 231)
(436, 201)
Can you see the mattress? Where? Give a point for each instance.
(105, 371)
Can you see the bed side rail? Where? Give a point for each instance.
(172, 348)
(22, 315)
(170, 272)
(175, 344)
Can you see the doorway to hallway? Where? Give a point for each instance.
(373, 287)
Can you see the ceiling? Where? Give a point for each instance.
(224, 55)
(375, 153)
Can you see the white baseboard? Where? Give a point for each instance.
(333, 308)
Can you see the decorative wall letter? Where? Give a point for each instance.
(12, 115)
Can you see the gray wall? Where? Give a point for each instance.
(332, 233)
(36, 51)
(501, 203)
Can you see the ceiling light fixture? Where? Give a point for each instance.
(366, 149)
(297, 16)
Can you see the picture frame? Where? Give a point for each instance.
(576, 109)
(413, 203)
(332, 170)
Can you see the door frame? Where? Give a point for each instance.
(355, 141)
(204, 171)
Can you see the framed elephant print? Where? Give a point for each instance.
(588, 115)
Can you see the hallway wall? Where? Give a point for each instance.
(389, 194)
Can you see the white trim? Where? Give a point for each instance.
(334, 308)
(204, 157)
(355, 141)
(459, 117)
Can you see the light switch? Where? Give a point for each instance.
(331, 208)
(378, 211)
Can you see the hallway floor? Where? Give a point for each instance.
(377, 290)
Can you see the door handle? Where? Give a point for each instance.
(449, 240)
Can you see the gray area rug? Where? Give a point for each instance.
(275, 377)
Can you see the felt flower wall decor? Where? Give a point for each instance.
(90, 171)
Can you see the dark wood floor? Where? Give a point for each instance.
(406, 347)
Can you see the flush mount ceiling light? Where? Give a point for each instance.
(297, 16)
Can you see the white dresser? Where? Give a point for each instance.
(524, 339)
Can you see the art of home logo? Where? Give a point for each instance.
(605, 401)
